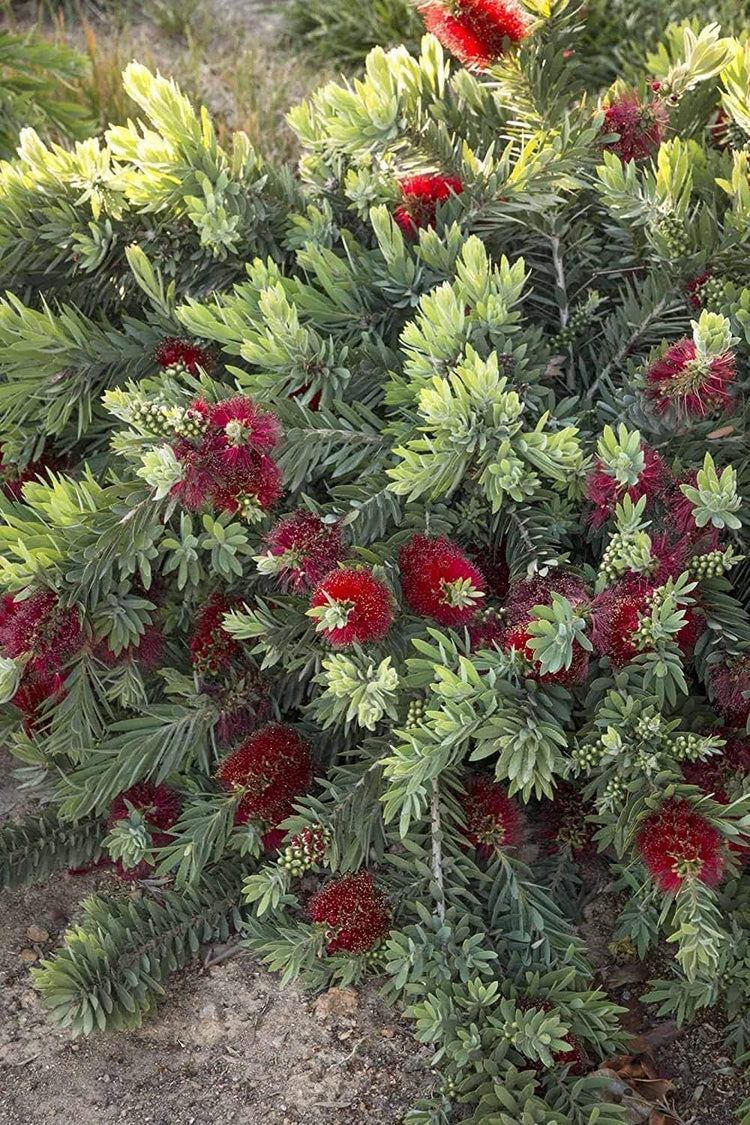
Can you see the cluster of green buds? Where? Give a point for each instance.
(578, 321)
(710, 292)
(673, 234)
(689, 747)
(151, 417)
(249, 509)
(415, 713)
(376, 957)
(649, 726)
(306, 849)
(626, 550)
(450, 1087)
(586, 756)
(614, 792)
(714, 564)
(186, 422)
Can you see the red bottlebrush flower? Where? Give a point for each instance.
(199, 474)
(692, 384)
(524, 595)
(355, 915)
(605, 492)
(562, 821)
(476, 31)
(677, 842)
(486, 630)
(172, 353)
(710, 775)
(670, 556)
(640, 126)
(228, 467)
(159, 804)
(160, 807)
(211, 648)
(493, 566)
(34, 692)
(272, 767)
(439, 581)
(39, 626)
(493, 820)
(147, 651)
(730, 689)
(679, 516)
(12, 479)
(518, 638)
(574, 1058)
(306, 547)
(358, 608)
(421, 195)
(239, 430)
(616, 617)
(259, 483)
(314, 403)
(694, 287)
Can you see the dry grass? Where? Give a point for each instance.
(223, 58)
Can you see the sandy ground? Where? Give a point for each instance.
(228, 1045)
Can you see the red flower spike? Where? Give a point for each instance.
(676, 843)
(694, 386)
(258, 484)
(160, 807)
(730, 688)
(562, 821)
(358, 608)
(147, 651)
(39, 626)
(307, 548)
(172, 352)
(239, 430)
(615, 619)
(421, 195)
(439, 581)
(273, 767)
(640, 126)
(159, 804)
(211, 648)
(493, 820)
(476, 31)
(493, 565)
(523, 596)
(356, 917)
(12, 479)
(605, 492)
(694, 289)
(518, 638)
(575, 1058)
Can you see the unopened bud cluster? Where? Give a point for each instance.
(688, 747)
(674, 235)
(588, 755)
(712, 565)
(153, 417)
(415, 714)
(188, 423)
(306, 849)
(614, 791)
(377, 957)
(576, 326)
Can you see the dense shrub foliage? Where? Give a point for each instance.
(395, 575)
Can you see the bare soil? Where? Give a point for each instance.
(228, 1045)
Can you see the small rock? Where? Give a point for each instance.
(388, 1033)
(337, 1003)
(37, 934)
(28, 955)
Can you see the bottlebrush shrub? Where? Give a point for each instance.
(482, 631)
